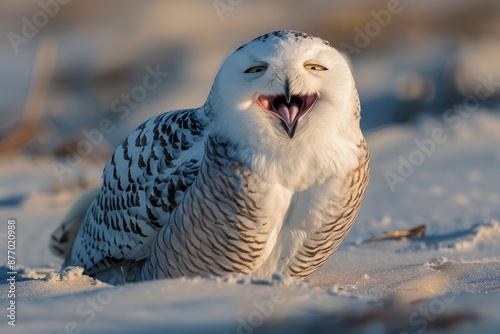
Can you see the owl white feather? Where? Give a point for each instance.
(267, 176)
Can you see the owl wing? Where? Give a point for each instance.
(337, 217)
(323, 240)
(142, 184)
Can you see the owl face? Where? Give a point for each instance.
(285, 82)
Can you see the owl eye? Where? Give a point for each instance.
(256, 69)
(315, 67)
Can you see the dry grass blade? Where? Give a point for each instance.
(416, 232)
(35, 101)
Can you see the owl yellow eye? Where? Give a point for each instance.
(256, 69)
(315, 67)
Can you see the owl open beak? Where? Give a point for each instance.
(288, 110)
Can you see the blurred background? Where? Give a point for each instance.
(73, 72)
(76, 77)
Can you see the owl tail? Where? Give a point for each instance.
(62, 238)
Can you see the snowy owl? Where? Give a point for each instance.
(267, 176)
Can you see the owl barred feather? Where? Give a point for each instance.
(267, 176)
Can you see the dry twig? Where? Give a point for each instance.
(417, 232)
(35, 101)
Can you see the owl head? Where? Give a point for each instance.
(284, 88)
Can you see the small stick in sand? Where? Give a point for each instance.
(417, 232)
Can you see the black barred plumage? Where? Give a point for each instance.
(122, 205)
(267, 176)
(323, 242)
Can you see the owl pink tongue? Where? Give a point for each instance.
(288, 115)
